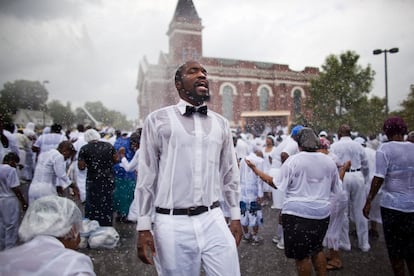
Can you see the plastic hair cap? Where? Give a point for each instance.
(51, 216)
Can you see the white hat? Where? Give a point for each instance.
(323, 133)
(360, 140)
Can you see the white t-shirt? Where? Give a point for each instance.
(251, 185)
(8, 180)
(308, 178)
(395, 164)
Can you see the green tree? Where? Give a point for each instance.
(22, 94)
(104, 116)
(61, 114)
(368, 115)
(407, 106)
(340, 93)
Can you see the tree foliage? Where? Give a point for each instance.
(407, 109)
(104, 116)
(22, 94)
(32, 95)
(340, 95)
(61, 114)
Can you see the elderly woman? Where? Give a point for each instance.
(308, 178)
(50, 230)
(394, 170)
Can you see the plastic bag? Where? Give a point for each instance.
(104, 237)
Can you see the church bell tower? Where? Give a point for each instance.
(185, 33)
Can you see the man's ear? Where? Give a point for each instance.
(178, 85)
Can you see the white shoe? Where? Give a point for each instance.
(276, 239)
(256, 240)
(345, 247)
(365, 248)
(247, 238)
(280, 246)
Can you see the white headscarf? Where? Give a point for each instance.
(29, 130)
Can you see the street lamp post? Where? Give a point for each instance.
(385, 51)
(44, 107)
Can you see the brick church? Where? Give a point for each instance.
(245, 92)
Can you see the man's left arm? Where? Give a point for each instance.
(231, 185)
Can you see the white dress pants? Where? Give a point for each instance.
(185, 243)
(354, 185)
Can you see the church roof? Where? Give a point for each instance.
(185, 9)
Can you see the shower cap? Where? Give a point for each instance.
(51, 216)
(91, 135)
(307, 139)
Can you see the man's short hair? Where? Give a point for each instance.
(179, 73)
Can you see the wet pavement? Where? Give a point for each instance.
(264, 259)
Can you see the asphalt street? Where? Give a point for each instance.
(264, 259)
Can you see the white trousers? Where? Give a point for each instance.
(354, 185)
(9, 222)
(184, 243)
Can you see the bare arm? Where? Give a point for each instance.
(343, 169)
(145, 246)
(263, 176)
(20, 197)
(284, 156)
(375, 186)
(81, 165)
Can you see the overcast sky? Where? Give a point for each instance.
(90, 50)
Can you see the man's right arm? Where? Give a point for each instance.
(144, 190)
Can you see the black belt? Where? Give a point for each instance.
(192, 211)
(353, 170)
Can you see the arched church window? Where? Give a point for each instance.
(263, 98)
(297, 101)
(227, 107)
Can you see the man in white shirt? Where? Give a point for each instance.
(354, 184)
(48, 141)
(50, 176)
(80, 174)
(186, 162)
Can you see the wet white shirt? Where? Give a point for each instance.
(347, 149)
(395, 164)
(291, 146)
(50, 172)
(49, 141)
(184, 162)
(132, 165)
(46, 256)
(308, 178)
(8, 180)
(251, 185)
